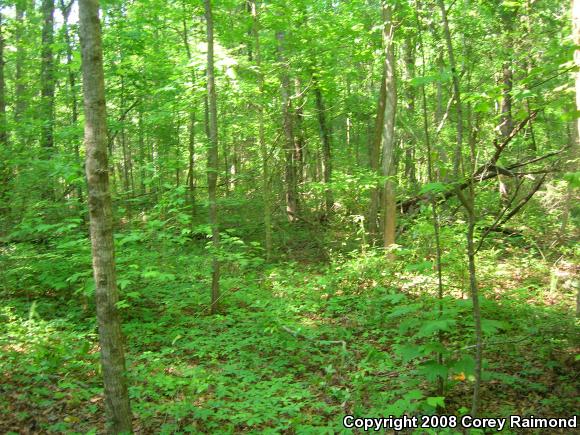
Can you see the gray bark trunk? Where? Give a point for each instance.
(469, 206)
(212, 157)
(47, 77)
(325, 133)
(388, 132)
(266, 188)
(19, 87)
(374, 158)
(110, 335)
(290, 166)
(3, 121)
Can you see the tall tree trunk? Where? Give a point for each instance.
(3, 120)
(433, 200)
(192, 122)
(212, 158)
(506, 120)
(19, 86)
(469, 206)
(456, 90)
(299, 139)
(266, 188)
(110, 335)
(325, 133)
(142, 158)
(191, 160)
(575, 145)
(374, 157)
(290, 166)
(409, 74)
(388, 131)
(47, 76)
(4, 171)
(71, 75)
(576, 38)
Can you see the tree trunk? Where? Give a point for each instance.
(19, 86)
(575, 145)
(110, 335)
(4, 171)
(299, 139)
(290, 167)
(469, 206)
(192, 123)
(212, 158)
(456, 90)
(388, 131)
(409, 74)
(3, 120)
(47, 77)
(266, 188)
(325, 133)
(506, 121)
(374, 158)
(191, 160)
(71, 74)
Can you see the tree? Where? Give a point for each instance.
(388, 128)
(99, 197)
(468, 203)
(266, 188)
(20, 102)
(212, 158)
(3, 120)
(326, 135)
(47, 75)
(290, 176)
(4, 171)
(575, 147)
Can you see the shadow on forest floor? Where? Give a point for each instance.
(295, 348)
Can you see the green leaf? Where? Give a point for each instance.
(432, 326)
(407, 352)
(436, 401)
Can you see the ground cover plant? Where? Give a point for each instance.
(284, 213)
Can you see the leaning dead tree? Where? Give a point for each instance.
(489, 170)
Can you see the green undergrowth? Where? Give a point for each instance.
(295, 347)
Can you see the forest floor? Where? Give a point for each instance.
(297, 344)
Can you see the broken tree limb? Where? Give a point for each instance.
(524, 200)
(484, 172)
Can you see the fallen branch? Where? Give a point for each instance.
(484, 172)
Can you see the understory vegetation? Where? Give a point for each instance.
(272, 216)
(299, 342)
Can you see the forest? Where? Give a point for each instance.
(289, 216)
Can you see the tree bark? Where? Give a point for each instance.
(192, 123)
(4, 170)
(110, 335)
(388, 131)
(47, 75)
(374, 158)
(325, 133)
(456, 90)
(299, 137)
(71, 75)
(469, 206)
(290, 166)
(409, 74)
(19, 85)
(3, 120)
(212, 157)
(266, 188)
(575, 145)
